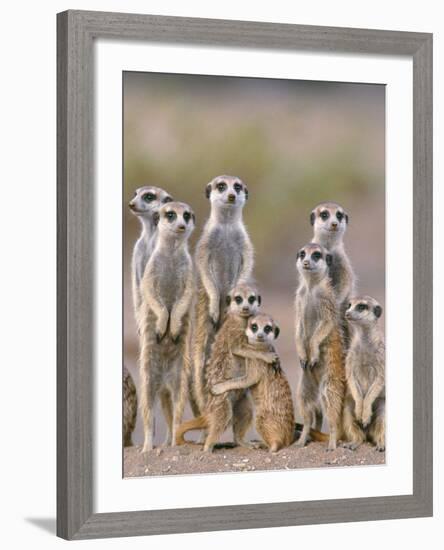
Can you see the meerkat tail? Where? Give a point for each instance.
(199, 423)
(315, 435)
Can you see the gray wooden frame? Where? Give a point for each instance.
(76, 32)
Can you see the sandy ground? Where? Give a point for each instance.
(190, 459)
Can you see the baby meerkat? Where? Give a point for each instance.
(267, 383)
(146, 201)
(220, 410)
(329, 221)
(224, 258)
(167, 289)
(318, 344)
(364, 409)
(129, 407)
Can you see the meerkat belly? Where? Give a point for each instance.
(310, 320)
(171, 281)
(226, 257)
(335, 270)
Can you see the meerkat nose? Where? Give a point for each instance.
(182, 228)
(231, 198)
(131, 205)
(334, 225)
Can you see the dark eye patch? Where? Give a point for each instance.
(187, 216)
(325, 214)
(268, 329)
(237, 187)
(254, 327)
(221, 186)
(340, 216)
(238, 299)
(149, 197)
(349, 306)
(316, 256)
(302, 254)
(171, 215)
(362, 307)
(167, 199)
(252, 299)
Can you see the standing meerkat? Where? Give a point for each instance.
(329, 221)
(224, 258)
(364, 409)
(235, 407)
(268, 385)
(167, 289)
(146, 202)
(129, 407)
(319, 345)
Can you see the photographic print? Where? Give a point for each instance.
(253, 274)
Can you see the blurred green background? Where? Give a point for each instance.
(294, 143)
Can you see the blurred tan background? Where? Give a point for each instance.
(294, 143)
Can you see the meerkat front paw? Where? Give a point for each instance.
(366, 417)
(304, 363)
(217, 389)
(161, 328)
(272, 358)
(176, 332)
(313, 364)
(214, 315)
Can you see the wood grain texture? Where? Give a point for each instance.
(76, 32)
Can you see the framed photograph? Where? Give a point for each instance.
(244, 275)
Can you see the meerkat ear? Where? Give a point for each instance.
(208, 190)
(228, 300)
(328, 259)
(246, 192)
(156, 218)
(194, 218)
(377, 311)
(259, 299)
(167, 199)
(346, 219)
(312, 218)
(277, 331)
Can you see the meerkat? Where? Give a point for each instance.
(330, 221)
(319, 345)
(146, 201)
(167, 290)
(364, 408)
(224, 258)
(268, 385)
(235, 407)
(129, 407)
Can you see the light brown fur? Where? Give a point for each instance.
(220, 410)
(268, 387)
(364, 410)
(129, 407)
(319, 346)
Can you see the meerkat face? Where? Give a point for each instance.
(330, 219)
(148, 200)
(262, 329)
(243, 300)
(227, 192)
(363, 310)
(175, 218)
(313, 258)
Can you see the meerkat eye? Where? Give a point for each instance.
(268, 329)
(237, 187)
(252, 299)
(362, 307)
(316, 256)
(221, 186)
(325, 215)
(340, 216)
(187, 216)
(238, 299)
(171, 215)
(301, 254)
(149, 197)
(254, 327)
(349, 306)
